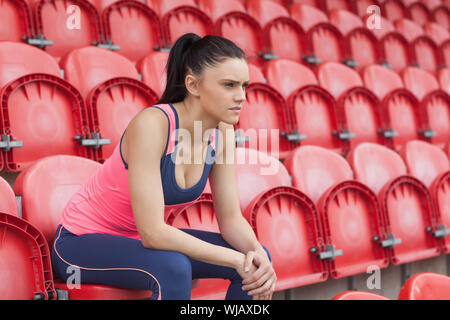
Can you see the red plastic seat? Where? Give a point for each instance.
(113, 93)
(42, 113)
(245, 32)
(164, 6)
(405, 203)
(134, 27)
(283, 37)
(409, 29)
(432, 4)
(385, 26)
(393, 10)
(26, 265)
(312, 3)
(430, 165)
(338, 4)
(50, 16)
(362, 45)
(348, 210)
(7, 199)
(396, 51)
(419, 13)
(16, 21)
(201, 216)
(153, 70)
(285, 220)
(426, 286)
(255, 74)
(217, 8)
(306, 15)
(286, 76)
(58, 178)
(441, 15)
(444, 79)
(263, 119)
(435, 105)
(426, 54)
(444, 51)
(436, 32)
(381, 80)
(184, 19)
(359, 295)
(348, 78)
(360, 7)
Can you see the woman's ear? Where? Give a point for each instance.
(192, 83)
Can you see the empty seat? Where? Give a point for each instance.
(409, 29)
(26, 265)
(153, 70)
(361, 7)
(306, 15)
(217, 8)
(426, 54)
(348, 210)
(66, 32)
(396, 51)
(419, 13)
(436, 32)
(313, 3)
(286, 76)
(59, 178)
(263, 119)
(359, 295)
(362, 45)
(16, 21)
(7, 199)
(441, 15)
(430, 165)
(426, 286)
(338, 4)
(381, 80)
(255, 74)
(284, 220)
(42, 114)
(405, 203)
(432, 4)
(164, 6)
(435, 105)
(393, 10)
(381, 30)
(200, 216)
(283, 36)
(444, 50)
(134, 27)
(245, 32)
(349, 78)
(444, 79)
(114, 95)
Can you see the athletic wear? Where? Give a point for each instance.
(103, 204)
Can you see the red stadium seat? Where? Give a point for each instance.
(381, 80)
(385, 26)
(441, 15)
(185, 19)
(436, 32)
(164, 6)
(393, 10)
(217, 8)
(7, 199)
(26, 265)
(426, 286)
(348, 210)
(396, 51)
(312, 3)
(134, 27)
(419, 13)
(435, 105)
(432, 4)
(153, 70)
(113, 93)
(338, 4)
(444, 51)
(361, 7)
(245, 31)
(384, 171)
(426, 54)
(201, 216)
(286, 76)
(255, 74)
(16, 21)
(58, 178)
(359, 295)
(409, 29)
(263, 119)
(284, 220)
(42, 113)
(444, 79)
(348, 78)
(362, 45)
(430, 165)
(306, 15)
(283, 37)
(53, 24)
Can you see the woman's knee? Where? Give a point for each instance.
(177, 266)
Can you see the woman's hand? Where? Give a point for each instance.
(261, 282)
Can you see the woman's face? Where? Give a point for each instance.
(222, 89)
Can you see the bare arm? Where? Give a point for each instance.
(145, 139)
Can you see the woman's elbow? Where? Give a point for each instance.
(152, 239)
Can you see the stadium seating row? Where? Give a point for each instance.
(335, 218)
(264, 29)
(85, 113)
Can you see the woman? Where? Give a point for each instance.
(113, 228)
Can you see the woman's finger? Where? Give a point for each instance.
(262, 269)
(262, 290)
(258, 282)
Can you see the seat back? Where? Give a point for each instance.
(424, 161)
(307, 16)
(255, 74)
(47, 186)
(315, 169)
(444, 79)
(425, 53)
(386, 26)
(338, 5)
(381, 80)
(16, 21)
(344, 20)
(8, 202)
(409, 29)
(419, 82)
(153, 70)
(396, 51)
(265, 11)
(393, 10)
(258, 170)
(286, 76)
(375, 165)
(217, 8)
(347, 79)
(441, 15)
(426, 286)
(436, 32)
(359, 295)
(419, 13)
(164, 6)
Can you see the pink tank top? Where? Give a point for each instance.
(103, 205)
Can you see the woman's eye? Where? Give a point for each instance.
(229, 84)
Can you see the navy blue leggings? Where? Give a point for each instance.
(126, 263)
